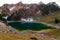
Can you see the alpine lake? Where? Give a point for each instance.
(29, 26)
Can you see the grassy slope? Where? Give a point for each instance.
(51, 35)
(50, 18)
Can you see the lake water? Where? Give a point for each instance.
(29, 26)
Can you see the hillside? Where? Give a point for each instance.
(45, 13)
(42, 35)
(6, 29)
(50, 18)
(9, 33)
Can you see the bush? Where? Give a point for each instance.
(33, 38)
(56, 20)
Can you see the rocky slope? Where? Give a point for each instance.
(6, 29)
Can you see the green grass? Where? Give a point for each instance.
(50, 18)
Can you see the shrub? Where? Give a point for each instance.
(56, 20)
(33, 38)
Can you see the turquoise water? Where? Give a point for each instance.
(29, 26)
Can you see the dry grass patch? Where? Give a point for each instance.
(40, 35)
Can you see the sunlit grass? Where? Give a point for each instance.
(48, 36)
(50, 18)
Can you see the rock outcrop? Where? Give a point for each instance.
(6, 29)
